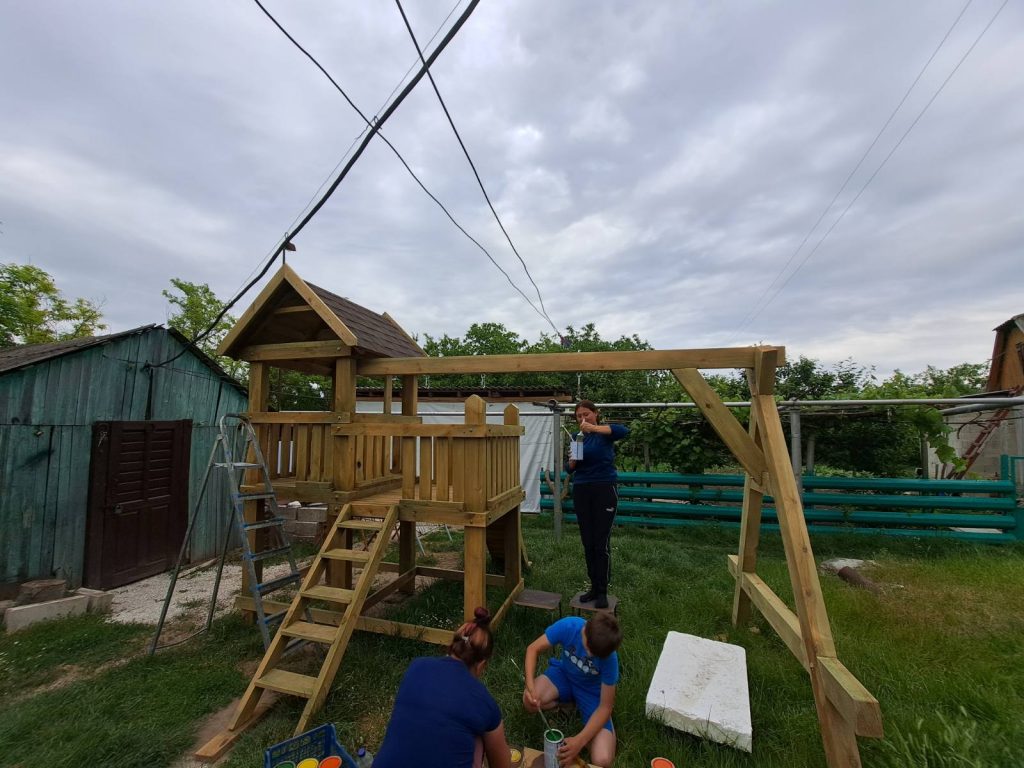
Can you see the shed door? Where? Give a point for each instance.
(138, 499)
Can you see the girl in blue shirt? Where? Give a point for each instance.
(444, 717)
(594, 496)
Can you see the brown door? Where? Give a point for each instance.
(138, 500)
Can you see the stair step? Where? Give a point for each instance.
(274, 521)
(348, 555)
(257, 556)
(254, 496)
(288, 682)
(358, 524)
(280, 581)
(369, 509)
(331, 594)
(320, 633)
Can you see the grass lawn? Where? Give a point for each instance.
(942, 648)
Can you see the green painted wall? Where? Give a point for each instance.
(46, 415)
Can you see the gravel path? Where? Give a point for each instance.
(142, 601)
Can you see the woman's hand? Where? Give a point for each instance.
(569, 750)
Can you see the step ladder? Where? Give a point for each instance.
(977, 445)
(337, 548)
(236, 451)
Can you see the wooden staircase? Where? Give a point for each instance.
(376, 518)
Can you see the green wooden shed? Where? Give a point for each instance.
(102, 452)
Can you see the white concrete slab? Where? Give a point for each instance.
(700, 687)
(22, 616)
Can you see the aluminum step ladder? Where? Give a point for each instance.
(236, 451)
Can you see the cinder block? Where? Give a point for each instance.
(41, 591)
(99, 601)
(700, 687)
(4, 605)
(287, 513)
(22, 616)
(298, 529)
(312, 515)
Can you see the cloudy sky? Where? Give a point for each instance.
(657, 164)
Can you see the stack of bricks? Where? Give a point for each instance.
(307, 524)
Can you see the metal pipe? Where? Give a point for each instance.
(794, 449)
(997, 402)
(556, 466)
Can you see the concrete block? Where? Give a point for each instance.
(22, 616)
(41, 591)
(298, 529)
(700, 687)
(99, 601)
(312, 515)
(4, 605)
(287, 513)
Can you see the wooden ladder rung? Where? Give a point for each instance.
(359, 524)
(331, 594)
(288, 682)
(350, 555)
(318, 633)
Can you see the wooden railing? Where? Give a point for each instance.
(472, 462)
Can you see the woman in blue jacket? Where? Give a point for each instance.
(594, 496)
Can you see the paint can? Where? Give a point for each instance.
(662, 762)
(515, 757)
(553, 739)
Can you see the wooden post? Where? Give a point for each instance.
(407, 528)
(838, 735)
(512, 520)
(389, 464)
(339, 572)
(259, 399)
(475, 535)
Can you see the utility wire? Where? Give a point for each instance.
(754, 311)
(479, 181)
(401, 159)
(377, 124)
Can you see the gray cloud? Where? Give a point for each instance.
(656, 165)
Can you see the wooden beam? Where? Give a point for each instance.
(648, 360)
(407, 428)
(750, 535)
(856, 704)
(242, 324)
(218, 746)
(293, 417)
(776, 612)
(295, 350)
(766, 361)
(838, 735)
(293, 310)
(721, 418)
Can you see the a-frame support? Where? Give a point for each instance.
(845, 708)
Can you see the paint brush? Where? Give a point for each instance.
(539, 710)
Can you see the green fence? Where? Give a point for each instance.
(976, 510)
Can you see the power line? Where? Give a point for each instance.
(391, 146)
(469, 159)
(754, 311)
(377, 124)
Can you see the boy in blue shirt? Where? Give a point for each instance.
(586, 672)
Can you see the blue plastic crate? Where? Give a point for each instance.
(318, 743)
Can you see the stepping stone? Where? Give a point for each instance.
(579, 607)
(545, 601)
(700, 687)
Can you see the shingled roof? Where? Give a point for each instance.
(377, 335)
(292, 311)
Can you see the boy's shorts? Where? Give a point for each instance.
(587, 701)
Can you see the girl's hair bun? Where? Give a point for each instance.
(481, 617)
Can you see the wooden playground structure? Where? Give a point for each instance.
(377, 472)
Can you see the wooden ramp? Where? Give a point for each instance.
(361, 516)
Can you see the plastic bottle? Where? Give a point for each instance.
(364, 758)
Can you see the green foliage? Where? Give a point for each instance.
(939, 742)
(194, 307)
(34, 311)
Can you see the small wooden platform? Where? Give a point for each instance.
(545, 601)
(579, 607)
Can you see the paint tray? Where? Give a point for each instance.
(317, 744)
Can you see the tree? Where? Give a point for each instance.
(193, 309)
(34, 311)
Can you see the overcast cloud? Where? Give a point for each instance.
(657, 165)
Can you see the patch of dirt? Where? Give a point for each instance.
(70, 673)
